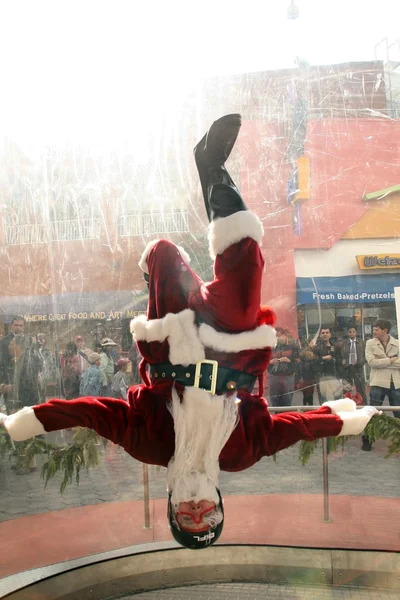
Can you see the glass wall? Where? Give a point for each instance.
(102, 106)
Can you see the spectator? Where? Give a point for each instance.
(135, 358)
(107, 366)
(83, 353)
(307, 373)
(329, 386)
(352, 354)
(349, 391)
(6, 361)
(120, 382)
(90, 380)
(23, 388)
(282, 370)
(70, 372)
(382, 354)
(49, 371)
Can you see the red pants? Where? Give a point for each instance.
(230, 303)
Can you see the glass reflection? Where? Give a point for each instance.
(99, 162)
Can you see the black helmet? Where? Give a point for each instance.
(195, 540)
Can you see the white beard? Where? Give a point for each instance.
(203, 424)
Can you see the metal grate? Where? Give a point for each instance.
(153, 223)
(59, 231)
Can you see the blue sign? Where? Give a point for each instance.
(353, 289)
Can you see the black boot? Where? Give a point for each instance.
(221, 196)
(366, 444)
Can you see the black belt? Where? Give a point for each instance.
(206, 375)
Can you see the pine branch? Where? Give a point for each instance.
(5, 443)
(385, 428)
(306, 450)
(380, 427)
(70, 459)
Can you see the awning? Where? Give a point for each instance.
(357, 289)
(116, 304)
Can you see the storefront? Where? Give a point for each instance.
(344, 301)
(62, 317)
(353, 287)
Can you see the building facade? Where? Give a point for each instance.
(318, 159)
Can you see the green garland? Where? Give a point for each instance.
(68, 459)
(83, 452)
(380, 427)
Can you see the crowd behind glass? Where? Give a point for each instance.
(316, 370)
(30, 372)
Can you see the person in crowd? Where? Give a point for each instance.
(282, 369)
(23, 387)
(134, 357)
(107, 368)
(382, 355)
(352, 355)
(83, 353)
(49, 371)
(349, 391)
(70, 372)
(328, 354)
(120, 382)
(205, 345)
(90, 380)
(307, 374)
(17, 327)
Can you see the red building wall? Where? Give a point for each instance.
(348, 158)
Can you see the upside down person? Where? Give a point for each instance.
(204, 345)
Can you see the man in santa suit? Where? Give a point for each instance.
(204, 345)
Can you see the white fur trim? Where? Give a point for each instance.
(230, 230)
(355, 422)
(258, 338)
(344, 404)
(148, 331)
(185, 347)
(23, 425)
(184, 254)
(143, 259)
(138, 328)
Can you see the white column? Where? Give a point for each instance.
(397, 301)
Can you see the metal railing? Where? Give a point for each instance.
(153, 223)
(58, 231)
(18, 235)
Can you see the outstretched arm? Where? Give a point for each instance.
(109, 417)
(336, 418)
(290, 427)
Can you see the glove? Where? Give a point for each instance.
(355, 422)
(342, 405)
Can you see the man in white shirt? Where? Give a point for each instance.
(382, 355)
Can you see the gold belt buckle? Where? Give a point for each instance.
(214, 374)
